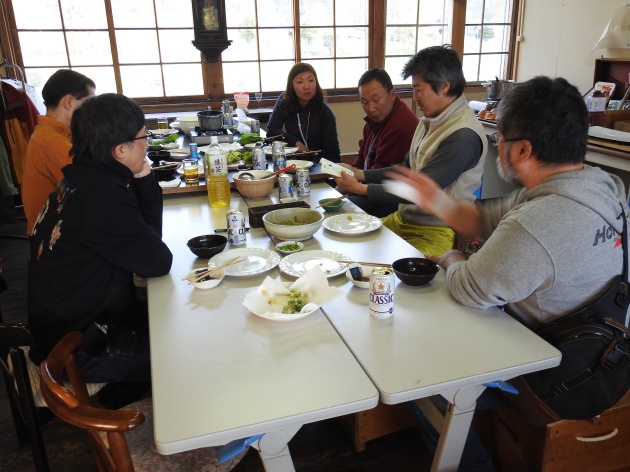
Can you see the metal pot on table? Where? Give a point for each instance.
(497, 89)
(210, 120)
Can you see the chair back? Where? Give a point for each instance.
(15, 338)
(105, 428)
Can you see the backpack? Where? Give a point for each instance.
(594, 372)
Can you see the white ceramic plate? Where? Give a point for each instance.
(609, 134)
(175, 125)
(280, 247)
(274, 316)
(163, 132)
(299, 164)
(170, 183)
(256, 261)
(352, 223)
(301, 262)
(287, 150)
(225, 146)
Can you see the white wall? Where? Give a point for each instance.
(559, 38)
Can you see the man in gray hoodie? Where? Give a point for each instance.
(553, 246)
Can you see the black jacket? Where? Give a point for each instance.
(99, 228)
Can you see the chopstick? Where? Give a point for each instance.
(374, 264)
(273, 137)
(174, 164)
(332, 201)
(302, 153)
(199, 275)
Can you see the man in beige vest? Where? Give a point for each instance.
(449, 145)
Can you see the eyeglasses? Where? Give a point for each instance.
(148, 136)
(495, 139)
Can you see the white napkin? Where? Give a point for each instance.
(269, 298)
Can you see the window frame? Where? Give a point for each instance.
(212, 73)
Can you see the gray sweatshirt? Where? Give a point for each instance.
(549, 251)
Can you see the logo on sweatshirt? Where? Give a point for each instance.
(606, 233)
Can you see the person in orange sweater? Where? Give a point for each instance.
(49, 147)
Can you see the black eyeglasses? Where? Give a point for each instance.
(148, 136)
(495, 139)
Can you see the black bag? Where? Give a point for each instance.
(594, 372)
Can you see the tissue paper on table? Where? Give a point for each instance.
(269, 298)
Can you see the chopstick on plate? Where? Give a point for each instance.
(199, 275)
(332, 201)
(274, 137)
(165, 166)
(372, 264)
(302, 153)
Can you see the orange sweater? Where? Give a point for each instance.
(47, 152)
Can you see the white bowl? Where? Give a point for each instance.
(306, 223)
(215, 279)
(358, 283)
(188, 122)
(280, 246)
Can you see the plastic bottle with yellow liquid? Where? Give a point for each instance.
(217, 175)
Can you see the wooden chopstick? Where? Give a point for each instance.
(332, 201)
(273, 137)
(197, 276)
(173, 165)
(374, 264)
(302, 153)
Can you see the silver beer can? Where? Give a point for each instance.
(277, 146)
(285, 186)
(303, 182)
(236, 227)
(382, 292)
(279, 160)
(259, 159)
(255, 126)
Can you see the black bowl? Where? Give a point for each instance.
(168, 173)
(207, 245)
(157, 156)
(415, 271)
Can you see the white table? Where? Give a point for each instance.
(432, 345)
(220, 373)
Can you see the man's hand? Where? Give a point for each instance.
(447, 258)
(349, 184)
(301, 146)
(146, 170)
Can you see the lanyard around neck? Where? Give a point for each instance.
(308, 123)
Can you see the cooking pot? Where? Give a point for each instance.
(497, 89)
(210, 120)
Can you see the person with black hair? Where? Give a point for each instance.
(49, 147)
(389, 127)
(101, 225)
(302, 116)
(449, 145)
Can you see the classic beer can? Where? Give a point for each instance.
(303, 182)
(279, 160)
(277, 146)
(285, 185)
(194, 154)
(236, 227)
(259, 159)
(381, 292)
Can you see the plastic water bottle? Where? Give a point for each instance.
(217, 178)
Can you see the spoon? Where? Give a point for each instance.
(248, 176)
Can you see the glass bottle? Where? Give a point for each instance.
(217, 175)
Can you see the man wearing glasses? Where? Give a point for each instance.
(102, 225)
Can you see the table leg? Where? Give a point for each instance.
(273, 449)
(453, 425)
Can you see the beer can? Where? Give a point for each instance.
(303, 182)
(194, 154)
(285, 185)
(279, 160)
(381, 292)
(277, 146)
(236, 227)
(259, 159)
(255, 126)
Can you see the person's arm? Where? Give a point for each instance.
(149, 193)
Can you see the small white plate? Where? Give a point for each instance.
(225, 146)
(276, 316)
(162, 132)
(299, 164)
(358, 283)
(609, 134)
(301, 262)
(215, 279)
(352, 223)
(287, 150)
(256, 261)
(170, 183)
(280, 246)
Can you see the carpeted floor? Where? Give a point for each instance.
(318, 447)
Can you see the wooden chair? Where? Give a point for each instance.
(28, 418)
(119, 440)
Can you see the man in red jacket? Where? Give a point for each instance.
(387, 134)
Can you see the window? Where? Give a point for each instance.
(143, 48)
(331, 35)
